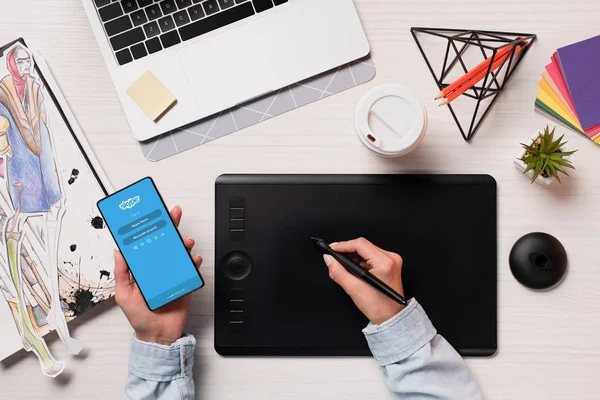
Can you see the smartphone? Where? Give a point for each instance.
(142, 227)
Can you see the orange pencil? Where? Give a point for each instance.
(478, 77)
(483, 66)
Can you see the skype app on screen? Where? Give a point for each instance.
(150, 243)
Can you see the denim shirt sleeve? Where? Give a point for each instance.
(417, 363)
(161, 372)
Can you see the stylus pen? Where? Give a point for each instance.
(359, 271)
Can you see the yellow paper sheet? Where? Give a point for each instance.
(556, 106)
(563, 106)
(555, 89)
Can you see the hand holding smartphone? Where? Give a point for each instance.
(150, 243)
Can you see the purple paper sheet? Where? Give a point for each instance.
(580, 64)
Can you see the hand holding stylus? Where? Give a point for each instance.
(165, 325)
(385, 265)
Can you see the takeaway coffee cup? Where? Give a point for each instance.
(391, 120)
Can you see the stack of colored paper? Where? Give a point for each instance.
(570, 88)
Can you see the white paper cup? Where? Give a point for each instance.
(391, 120)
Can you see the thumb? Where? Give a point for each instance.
(122, 278)
(341, 276)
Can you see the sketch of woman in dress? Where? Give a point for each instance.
(33, 183)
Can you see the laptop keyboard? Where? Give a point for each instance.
(137, 28)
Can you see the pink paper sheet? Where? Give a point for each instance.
(554, 73)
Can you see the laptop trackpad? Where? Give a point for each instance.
(230, 67)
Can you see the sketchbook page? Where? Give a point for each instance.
(49, 184)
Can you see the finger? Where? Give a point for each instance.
(354, 257)
(372, 254)
(395, 257)
(197, 258)
(341, 276)
(358, 259)
(176, 214)
(365, 265)
(122, 277)
(189, 243)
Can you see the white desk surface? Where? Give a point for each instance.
(549, 344)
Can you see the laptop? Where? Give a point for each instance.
(216, 54)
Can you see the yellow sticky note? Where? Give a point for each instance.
(151, 96)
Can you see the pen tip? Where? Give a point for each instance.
(315, 240)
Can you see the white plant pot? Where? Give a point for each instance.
(522, 166)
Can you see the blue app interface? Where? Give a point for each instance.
(150, 243)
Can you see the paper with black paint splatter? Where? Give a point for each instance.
(85, 260)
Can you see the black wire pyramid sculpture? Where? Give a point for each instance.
(485, 92)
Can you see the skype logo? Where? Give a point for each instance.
(129, 203)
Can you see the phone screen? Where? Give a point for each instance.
(150, 243)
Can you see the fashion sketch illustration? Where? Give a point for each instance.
(39, 290)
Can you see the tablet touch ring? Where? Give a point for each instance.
(236, 265)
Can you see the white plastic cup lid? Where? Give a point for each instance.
(391, 120)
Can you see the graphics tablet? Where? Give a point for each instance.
(273, 295)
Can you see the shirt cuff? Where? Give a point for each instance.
(401, 336)
(160, 363)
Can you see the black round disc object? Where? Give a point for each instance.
(538, 260)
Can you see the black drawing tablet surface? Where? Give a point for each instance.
(273, 295)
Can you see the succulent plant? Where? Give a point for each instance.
(545, 156)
